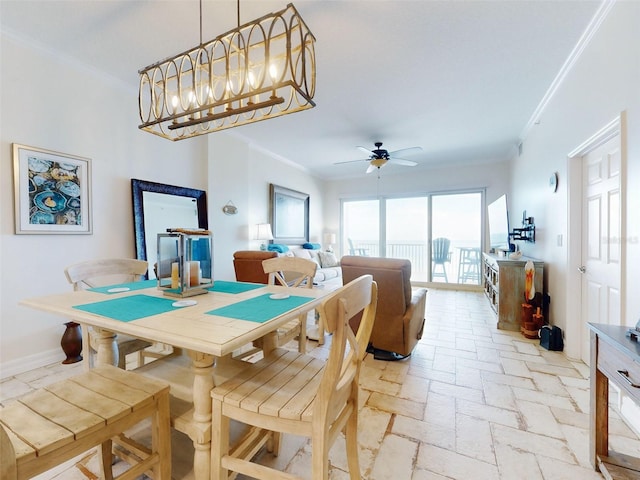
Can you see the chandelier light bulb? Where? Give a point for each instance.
(252, 79)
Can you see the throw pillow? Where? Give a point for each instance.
(307, 255)
(277, 247)
(328, 259)
(311, 246)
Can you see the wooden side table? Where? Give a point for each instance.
(615, 358)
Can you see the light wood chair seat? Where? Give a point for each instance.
(54, 424)
(291, 392)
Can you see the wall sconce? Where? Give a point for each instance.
(263, 232)
(329, 241)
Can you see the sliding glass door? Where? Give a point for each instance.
(407, 235)
(440, 233)
(361, 228)
(456, 230)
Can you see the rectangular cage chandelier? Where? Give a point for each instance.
(260, 70)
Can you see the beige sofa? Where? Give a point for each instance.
(328, 266)
(401, 308)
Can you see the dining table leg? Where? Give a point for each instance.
(202, 385)
(107, 348)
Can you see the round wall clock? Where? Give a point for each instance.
(553, 182)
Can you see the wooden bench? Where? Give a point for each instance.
(54, 424)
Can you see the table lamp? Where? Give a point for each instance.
(263, 232)
(329, 240)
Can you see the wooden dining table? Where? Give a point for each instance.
(229, 316)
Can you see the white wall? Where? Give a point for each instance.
(604, 82)
(493, 176)
(242, 173)
(54, 104)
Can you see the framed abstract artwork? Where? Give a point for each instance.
(289, 215)
(52, 192)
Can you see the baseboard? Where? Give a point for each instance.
(31, 362)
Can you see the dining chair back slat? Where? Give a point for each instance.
(302, 272)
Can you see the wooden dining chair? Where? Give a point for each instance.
(102, 272)
(291, 272)
(56, 423)
(291, 392)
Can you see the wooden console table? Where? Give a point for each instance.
(615, 358)
(504, 287)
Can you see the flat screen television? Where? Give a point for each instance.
(499, 224)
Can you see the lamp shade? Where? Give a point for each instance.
(263, 231)
(330, 238)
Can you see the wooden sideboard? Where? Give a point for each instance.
(503, 280)
(615, 358)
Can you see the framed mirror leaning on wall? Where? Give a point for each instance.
(156, 207)
(289, 215)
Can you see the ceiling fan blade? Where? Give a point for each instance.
(402, 161)
(352, 161)
(405, 151)
(365, 150)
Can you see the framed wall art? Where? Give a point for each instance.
(52, 192)
(289, 215)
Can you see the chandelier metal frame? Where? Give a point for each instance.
(260, 70)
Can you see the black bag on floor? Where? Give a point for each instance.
(551, 338)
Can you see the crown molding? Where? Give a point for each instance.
(65, 59)
(574, 56)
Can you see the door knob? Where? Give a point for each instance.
(582, 269)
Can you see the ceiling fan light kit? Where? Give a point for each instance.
(260, 70)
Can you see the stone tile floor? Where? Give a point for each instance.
(472, 402)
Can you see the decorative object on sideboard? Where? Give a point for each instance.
(52, 192)
(257, 71)
(329, 241)
(527, 232)
(263, 232)
(230, 208)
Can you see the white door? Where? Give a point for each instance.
(601, 238)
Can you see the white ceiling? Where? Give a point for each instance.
(461, 79)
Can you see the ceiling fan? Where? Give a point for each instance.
(379, 157)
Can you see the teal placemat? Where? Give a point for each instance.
(223, 286)
(129, 308)
(130, 286)
(260, 309)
